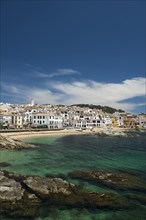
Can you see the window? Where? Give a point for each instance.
(43, 122)
(40, 117)
(43, 117)
(35, 117)
(34, 121)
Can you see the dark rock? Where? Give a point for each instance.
(9, 143)
(137, 197)
(48, 186)
(106, 200)
(14, 199)
(60, 192)
(112, 133)
(4, 164)
(62, 176)
(114, 180)
(101, 134)
(16, 177)
(23, 196)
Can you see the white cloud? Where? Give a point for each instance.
(42, 96)
(91, 92)
(59, 72)
(12, 90)
(110, 94)
(25, 94)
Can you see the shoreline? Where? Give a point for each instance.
(23, 135)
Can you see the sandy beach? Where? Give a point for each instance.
(27, 134)
(21, 135)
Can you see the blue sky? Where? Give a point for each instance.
(69, 52)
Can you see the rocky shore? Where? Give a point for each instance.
(9, 143)
(113, 133)
(25, 195)
(113, 180)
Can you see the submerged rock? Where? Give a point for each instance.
(4, 164)
(137, 197)
(60, 192)
(23, 196)
(113, 180)
(9, 143)
(48, 186)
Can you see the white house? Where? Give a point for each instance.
(88, 121)
(28, 116)
(51, 120)
(107, 121)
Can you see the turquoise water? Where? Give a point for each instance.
(57, 156)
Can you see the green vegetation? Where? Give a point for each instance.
(106, 109)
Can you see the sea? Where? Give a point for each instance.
(60, 155)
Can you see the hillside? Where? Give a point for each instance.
(106, 109)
